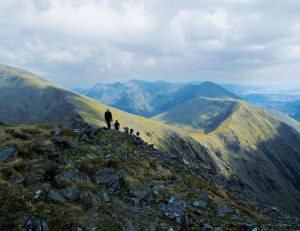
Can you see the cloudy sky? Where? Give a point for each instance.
(82, 42)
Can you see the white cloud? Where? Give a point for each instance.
(84, 42)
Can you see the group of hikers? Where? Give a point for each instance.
(108, 118)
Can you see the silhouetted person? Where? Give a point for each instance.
(138, 134)
(131, 131)
(117, 125)
(108, 118)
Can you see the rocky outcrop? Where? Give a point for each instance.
(32, 223)
(110, 177)
(7, 153)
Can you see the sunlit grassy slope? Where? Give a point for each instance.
(261, 150)
(246, 141)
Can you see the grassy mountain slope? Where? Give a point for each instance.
(26, 98)
(199, 114)
(285, 118)
(149, 99)
(249, 144)
(54, 183)
(261, 150)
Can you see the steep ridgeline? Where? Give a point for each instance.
(28, 99)
(151, 98)
(56, 179)
(246, 142)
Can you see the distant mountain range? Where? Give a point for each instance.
(205, 126)
(152, 98)
(282, 100)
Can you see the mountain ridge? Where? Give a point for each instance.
(229, 150)
(149, 99)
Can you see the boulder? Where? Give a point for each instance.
(175, 210)
(56, 196)
(110, 177)
(64, 143)
(32, 223)
(7, 153)
(140, 195)
(71, 194)
(70, 176)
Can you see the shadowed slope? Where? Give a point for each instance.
(262, 151)
(285, 118)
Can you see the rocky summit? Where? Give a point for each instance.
(54, 178)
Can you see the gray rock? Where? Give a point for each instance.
(71, 194)
(110, 177)
(200, 204)
(32, 223)
(157, 186)
(91, 196)
(7, 153)
(19, 181)
(222, 210)
(70, 176)
(56, 196)
(64, 143)
(140, 195)
(207, 227)
(37, 194)
(175, 210)
(129, 225)
(83, 158)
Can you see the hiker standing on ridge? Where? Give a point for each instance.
(108, 118)
(117, 125)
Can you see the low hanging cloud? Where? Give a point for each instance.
(80, 43)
